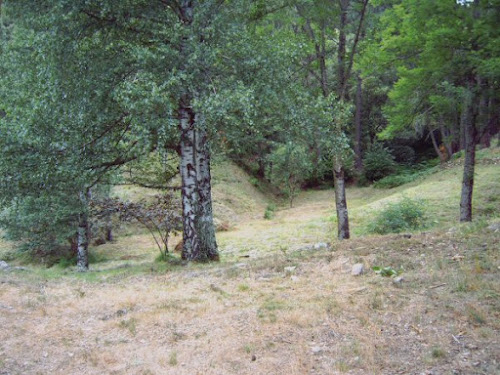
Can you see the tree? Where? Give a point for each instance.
(291, 167)
(441, 46)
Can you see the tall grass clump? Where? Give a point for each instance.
(406, 214)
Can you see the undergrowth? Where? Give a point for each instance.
(406, 214)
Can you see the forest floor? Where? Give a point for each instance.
(282, 300)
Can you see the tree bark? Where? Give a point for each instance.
(470, 156)
(83, 233)
(358, 161)
(204, 220)
(341, 201)
(189, 191)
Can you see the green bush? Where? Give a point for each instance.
(407, 214)
(403, 154)
(269, 213)
(378, 162)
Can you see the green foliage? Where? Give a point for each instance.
(407, 214)
(385, 271)
(403, 154)
(378, 162)
(291, 166)
(269, 212)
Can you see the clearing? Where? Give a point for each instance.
(282, 300)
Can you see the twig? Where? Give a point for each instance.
(437, 286)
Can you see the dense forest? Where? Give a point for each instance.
(299, 93)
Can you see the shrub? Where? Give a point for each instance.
(403, 154)
(291, 166)
(378, 162)
(407, 214)
(269, 213)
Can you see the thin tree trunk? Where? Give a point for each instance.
(83, 234)
(189, 191)
(446, 139)
(341, 51)
(109, 228)
(463, 120)
(358, 163)
(338, 169)
(470, 156)
(436, 147)
(340, 201)
(204, 221)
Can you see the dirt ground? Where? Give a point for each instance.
(296, 313)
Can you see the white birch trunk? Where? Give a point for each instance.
(205, 225)
(82, 256)
(189, 192)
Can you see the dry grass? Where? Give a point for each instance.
(130, 315)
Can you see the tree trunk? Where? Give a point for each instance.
(341, 51)
(463, 120)
(470, 156)
(436, 147)
(83, 234)
(204, 220)
(446, 139)
(189, 191)
(109, 228)
(340, 201)
(358, 162)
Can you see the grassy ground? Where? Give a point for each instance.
(275, 304)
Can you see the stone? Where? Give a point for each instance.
(316, 349)
(358, 269)
(320, 245)
(495, 227)
(294, 279)
(290, 270)
(4, 265)
(398, 280)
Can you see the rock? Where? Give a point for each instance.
(290, 270)
(316, 349)
(4, 265)
(398, 280)
(320, 245)
(294, 279)
(254, 358)
(240, 265)
(495, 227)
(358, 269)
